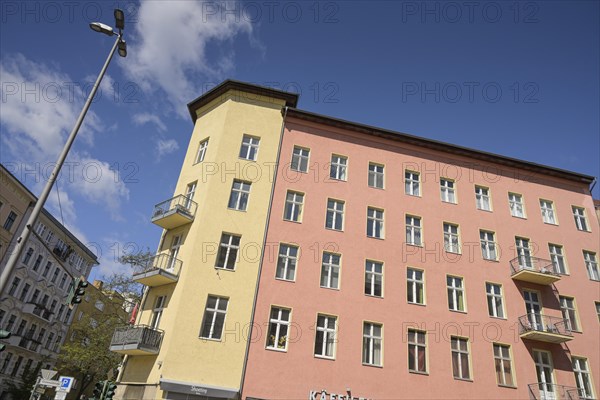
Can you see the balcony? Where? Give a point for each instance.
(140, 340)
(38, 310)
(161, 269)
(544, 328)
(174, 212)
(533, 270)
(550, 391)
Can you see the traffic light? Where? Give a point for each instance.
(4, 335)
(111, 388)
(76, 290)
(98, 392)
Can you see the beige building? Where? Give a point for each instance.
(32, 304)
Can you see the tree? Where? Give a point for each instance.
(28, 379)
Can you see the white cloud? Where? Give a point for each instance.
(40, 104)
(168, 48)
(146, 118)
(164, 147)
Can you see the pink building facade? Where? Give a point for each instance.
(403, 268)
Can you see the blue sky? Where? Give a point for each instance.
(515, 78)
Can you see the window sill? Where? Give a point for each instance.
(500, 318)
(330, 288)
(324, 357)
(372, 365)
(450, 202)
(375, 187)
(276, 350)
(414, 244)
(495, 260)
(210, 339)
(519, 217)
(373, 296)
(417, 304)
(413, 195)
(295, 222)
(335, 230)
(508, 386)
(337, 179)
(550, 223)
(464, 379)
(374, 237)
(458, 311)
(224, 269)
(235, 209)
(418, 372)
(246, 159)
(285, 280)
(483, 209)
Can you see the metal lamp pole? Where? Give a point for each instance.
(22, 239)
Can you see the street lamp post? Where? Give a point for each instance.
(39, 205)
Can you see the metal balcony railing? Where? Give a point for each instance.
(550, 391)
(174, 212)
(534, 270)
(160, 269)
(136, 340)
(545, 328)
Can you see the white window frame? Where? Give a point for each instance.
(212, 313)
(495, 300)
(516, 205)
(448, 190)
(415, 280)
(373, 275)
(281, 326)
(548, 213)
(375, 223)
(240, 190)
(580, 219)
(414, 231)
(568, 308)
(412, 183)
(329, 269)
(483, 200)
(229, 247)
(558, 258)
(376, 176)
(451, 238)
(293, 206)
(190, 191)
(249, 148)
(414, 342)
(157, 311)
(370, 341)
(202, 147)
(325, 348)
(287, 262)
(335, 214)
(300, 157)
(339, 167)
(591, 265)
(456, 293)
(488, 245)
(462, 357)
(504, 362)
(583, 378)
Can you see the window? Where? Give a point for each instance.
(597, 304)
(214, 318)
(24, 291)
(325, 337)
(293, 206)
(49, 340)
(286, 264)
(335, 215)
(202, 150)
(13, 287)
(99, 305)
(412, 183)
(460, 358)
(417, 351)
(339, 165)
(374, 223)
(494, 300)
(567, 307)
(488, 245)
(330, 271)
(583, 378)
(503, 365)
(10, 220)
(372, 344)
(300, 157)
(558, 260)
(249, 149)
(373, 278)
(523, 253)
(157, 311)
(279, 323)
(11, 322)
(240, 191)
(482, 198)
(63, 280)
(190, 191)
(580, 221)
(591, 265)
(6, 363)
(451, 238)
(413, 230)
(376, 176)
(517, 209)
(16, 366)
(36, 295)
(36, 264)
(547, 208)
(228, 251)
(27, 256)
(447, 190)
(55, 275)
(415, 286)
(455, 293)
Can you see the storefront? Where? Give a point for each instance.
(177, 390)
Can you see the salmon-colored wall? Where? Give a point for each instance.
(293, 374)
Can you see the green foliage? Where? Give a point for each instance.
(23, 390)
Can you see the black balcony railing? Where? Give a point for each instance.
(535, 264)
(550, 391)
(544, 323)
(136, 339)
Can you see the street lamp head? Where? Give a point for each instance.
(122, 48)
(119, 19)
(102, 28)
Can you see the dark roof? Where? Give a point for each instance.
(51, 217)
(440, 146)
(291, 99)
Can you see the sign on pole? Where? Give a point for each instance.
(65, 383)
(49, 382)
(48, 373)
(60, 396)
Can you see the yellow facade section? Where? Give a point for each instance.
(183, 355)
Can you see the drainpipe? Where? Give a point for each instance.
(262, 255)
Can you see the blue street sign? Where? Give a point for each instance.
(65, 383)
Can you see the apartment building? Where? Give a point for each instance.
(305, 256)
(32, 305)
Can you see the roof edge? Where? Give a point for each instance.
(439, 145)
